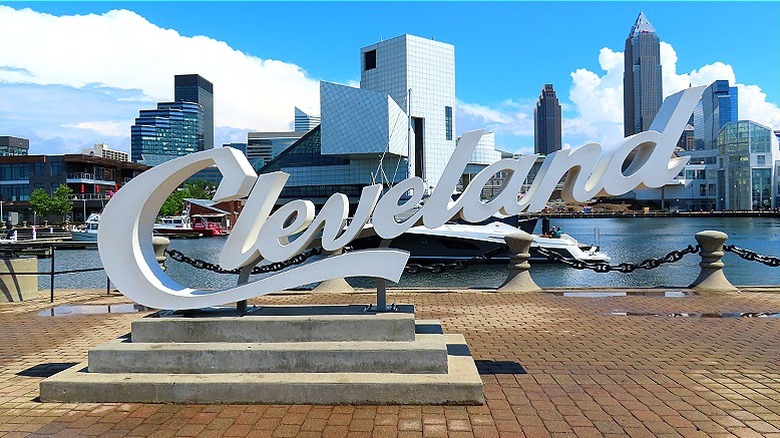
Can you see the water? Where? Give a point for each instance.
(623, 239)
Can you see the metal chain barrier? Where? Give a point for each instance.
(672, 257)
(437, 268)
(752, 256)
(272, 267)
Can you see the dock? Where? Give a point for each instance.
(591, 362)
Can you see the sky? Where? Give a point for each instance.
(76, 73)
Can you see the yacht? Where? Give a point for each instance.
(182, 226)
(89, 232)
(464, 241)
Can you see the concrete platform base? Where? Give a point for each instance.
(460, 385)
(426, 354)
(413, 362)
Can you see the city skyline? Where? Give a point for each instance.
(63, 100)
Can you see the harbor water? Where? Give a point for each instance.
(623, 239)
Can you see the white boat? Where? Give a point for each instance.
(183, 226)
(89, 232)
(463, 241)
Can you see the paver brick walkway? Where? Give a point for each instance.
(552, 366)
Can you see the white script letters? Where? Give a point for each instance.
(262, 233)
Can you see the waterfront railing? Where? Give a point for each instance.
(49, 250)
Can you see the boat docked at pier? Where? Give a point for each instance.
(89, 231)
(454, 241)
(185, 227)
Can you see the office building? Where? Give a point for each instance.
(741, 173)
(102, 150)
(10, 145)
(749, 153)
(305, 120)
(170, 131)
(267, 145)
(547, 122)
(687, 141)
(642, 89)
(717, 107)
(92, 179)
(194, 88)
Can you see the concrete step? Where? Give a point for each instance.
(460, 385)
(427, 354)
(277, 324)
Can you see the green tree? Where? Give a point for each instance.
(40, 202)
(174, 204)
(194, 189)
(199, 189)
(61, 202)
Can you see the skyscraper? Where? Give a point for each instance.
(194, 88)
(547, 122)
(717, 107)
(170, 131)
(642, 89)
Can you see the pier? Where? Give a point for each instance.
(587, 362)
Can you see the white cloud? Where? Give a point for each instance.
(110, 128)
(122, 50)
(596, 109)
(598, 99)
(488, 115)
(598, 102)
(508, 119)
(753, 106)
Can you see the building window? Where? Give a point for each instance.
(702, 189)
(448, 122)
(761, 160)
(57, 168)
(370, 59)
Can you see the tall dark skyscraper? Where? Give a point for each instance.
(642, 89)
(547, 122)
(194, 88)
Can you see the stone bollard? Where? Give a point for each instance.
(16, 288)
(711, 278)
(519, 279)
(160, 244)
(334, 284)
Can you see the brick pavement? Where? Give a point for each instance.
(551, 365)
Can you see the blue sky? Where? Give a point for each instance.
(67, 82)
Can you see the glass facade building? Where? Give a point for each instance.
(170, 131)
(547, 122)
(717, 107)
(194, 88)
(642, 88)
(747, 177)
